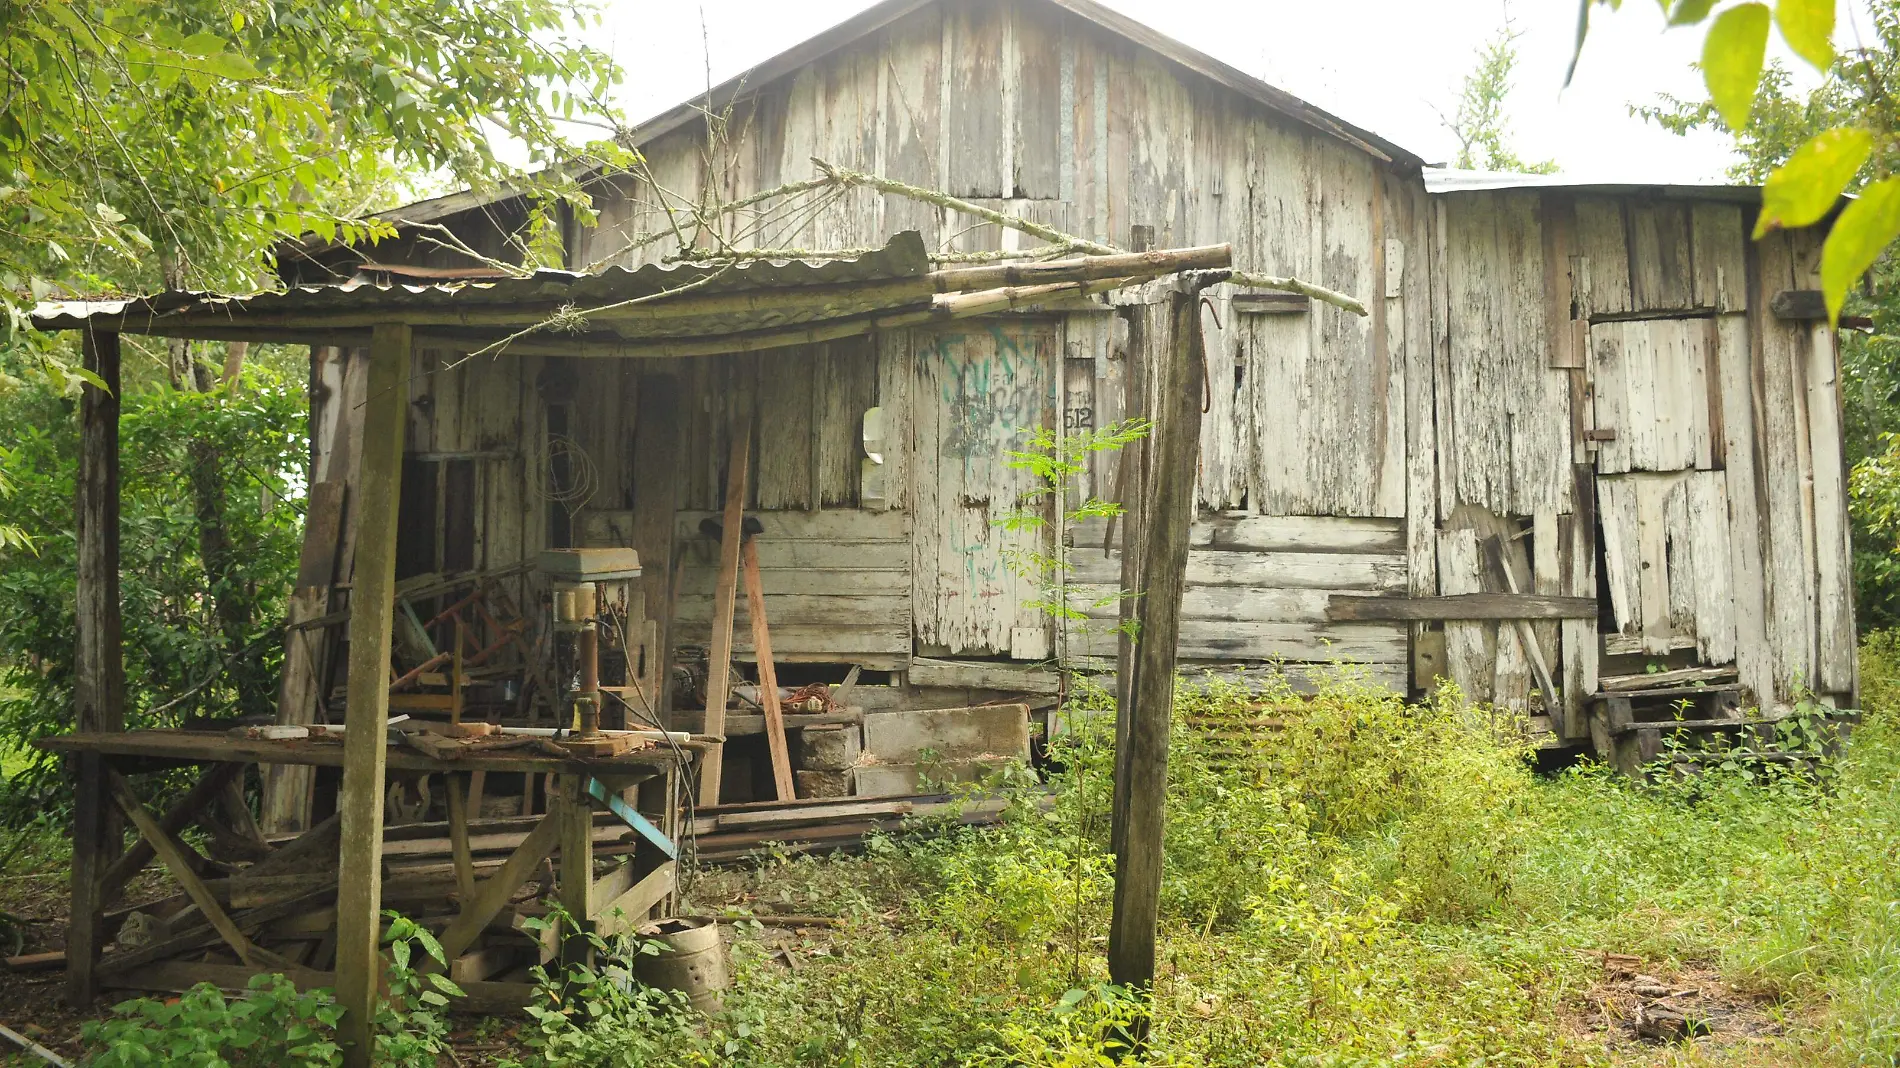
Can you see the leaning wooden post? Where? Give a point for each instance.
(99, 664)
(366, 701)
(1143, 769)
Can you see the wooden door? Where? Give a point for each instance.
(981, 390)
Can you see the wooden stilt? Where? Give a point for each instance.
(99, 668)
(366, 708)
(1144, 767)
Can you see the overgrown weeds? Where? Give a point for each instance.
(1350, 880)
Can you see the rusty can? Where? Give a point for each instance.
(692, 960)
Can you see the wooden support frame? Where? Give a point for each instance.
(173, 857)
(207, 789)
(99, 669)
(1142, 773)
(365, 747)
(575, 813)
(493, 892)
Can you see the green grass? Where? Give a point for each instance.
(1370, 885)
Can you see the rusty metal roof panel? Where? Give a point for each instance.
(903, 257)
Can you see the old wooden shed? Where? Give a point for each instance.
(1639, 402)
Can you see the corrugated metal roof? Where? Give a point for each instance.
(1453, 180)
(902, 258)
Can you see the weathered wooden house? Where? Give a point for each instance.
(1586, 433)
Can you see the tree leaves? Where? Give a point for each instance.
(1732, 57)
(1802, 190)
(1808, 27)
(1865, 228)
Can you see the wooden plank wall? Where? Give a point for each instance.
(1019, 108)
(1607, 370)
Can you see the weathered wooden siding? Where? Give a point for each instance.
(1608, 371)
(1019, 107)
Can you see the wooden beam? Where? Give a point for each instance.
(576, 815)
(365, 746)
(99, 663)
(775, 742)
(719, 658)
(629, 909)
(1177, 436)
(1345, 606)
(493, 892)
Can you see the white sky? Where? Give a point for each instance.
(1380, 64)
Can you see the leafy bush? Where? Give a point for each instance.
(272, 1024)
(209, 541)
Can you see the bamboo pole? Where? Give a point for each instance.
(365, 746)
(848, 178)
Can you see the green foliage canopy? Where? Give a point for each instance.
(171, 143)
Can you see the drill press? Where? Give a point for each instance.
(588, 587)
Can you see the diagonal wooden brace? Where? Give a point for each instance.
(493, 892)
(173, 857)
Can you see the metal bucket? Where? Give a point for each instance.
(692, 960)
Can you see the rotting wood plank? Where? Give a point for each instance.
(1836, 651)
(779, 751)
(1463, 606)
(983, 675)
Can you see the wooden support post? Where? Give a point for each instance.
(719, 658)
(782, 781)
(576, 815)
(1143, 770)
(366, 701)
(656, 479)
(99, 668)
(1147, 328)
